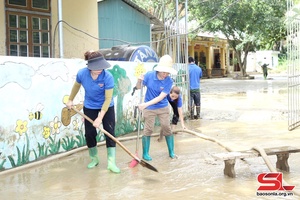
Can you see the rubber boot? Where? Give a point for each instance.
(93, 152)
(198, 109)
(170, 143)
(111, 160)
(146, 146)
(192, 113)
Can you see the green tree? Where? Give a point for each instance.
(121, 88)
(165, 11)
(247, 25)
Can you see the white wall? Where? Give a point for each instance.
(256, 59)
(41, 85)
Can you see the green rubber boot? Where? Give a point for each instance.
(146, 146)
(170, 144)
(111, 160)
(94, 156)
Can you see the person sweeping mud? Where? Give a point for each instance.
(175, 100)
(98, 84)
(159, 84)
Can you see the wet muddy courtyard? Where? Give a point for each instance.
(239, 113)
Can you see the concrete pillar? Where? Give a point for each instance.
(222, 59)
(227, 59)
(233, 60)
(209, 60)
(192, 52)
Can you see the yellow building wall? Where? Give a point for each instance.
(198, 50)
(209, 48)
(2, 30)
(82, 15)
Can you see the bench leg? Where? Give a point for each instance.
(282, 162)
(229, 168)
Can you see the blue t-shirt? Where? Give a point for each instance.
(155, 87)
(195, 73)
(179, 102)
(94, 96)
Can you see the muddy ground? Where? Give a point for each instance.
(240, 114)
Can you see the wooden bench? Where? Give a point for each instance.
(282, 154)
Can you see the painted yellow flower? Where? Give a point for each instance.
(21, 127)
(65, 99)
(55, 125)
(139, 70)
(75, 124)
(46, 132)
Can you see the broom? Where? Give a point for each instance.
(139, 161)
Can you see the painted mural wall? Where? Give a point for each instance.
(33, 92)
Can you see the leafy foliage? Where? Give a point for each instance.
(80, 138)
(54, 146)
(42, 151)
(23, 157)
(247, 25)
(1, 164)
(68, 143)
(165, 11)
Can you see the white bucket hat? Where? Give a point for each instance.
(165, 64)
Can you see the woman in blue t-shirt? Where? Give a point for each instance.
(98, 84)
(175, 100)
(159, 84)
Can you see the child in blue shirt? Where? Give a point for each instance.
(175, 100)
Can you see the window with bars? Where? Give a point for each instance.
(28, 28)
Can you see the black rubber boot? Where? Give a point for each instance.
(192, 114)
(198, 109)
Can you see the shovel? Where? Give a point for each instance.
(66, 114)
(134, 162)
(139, 161)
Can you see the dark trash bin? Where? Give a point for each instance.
(130, 53)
